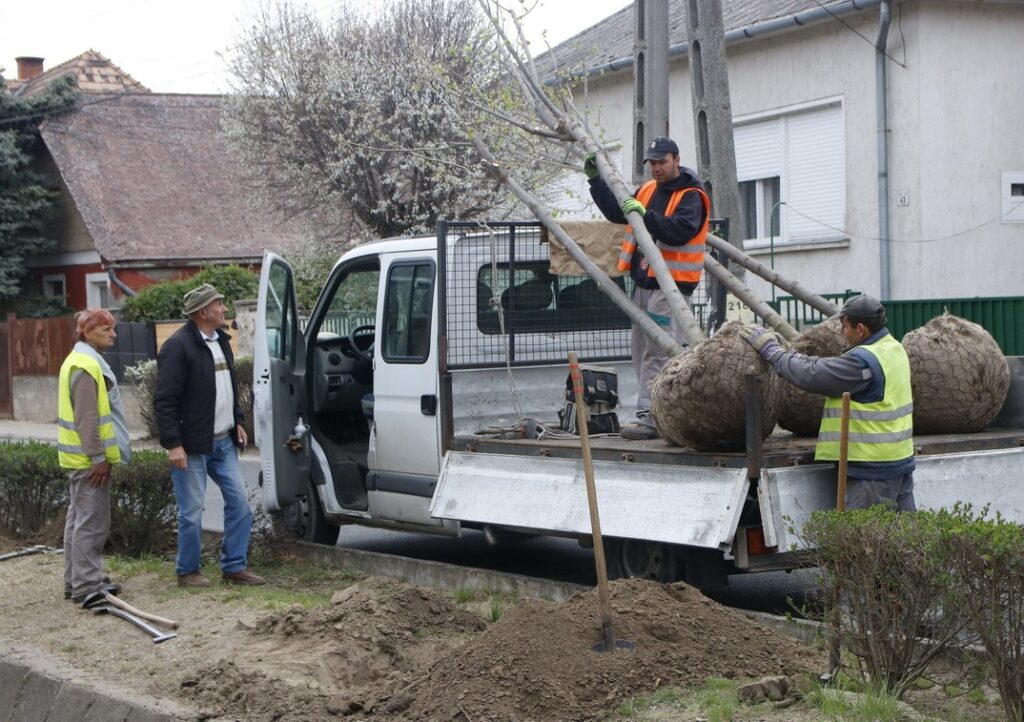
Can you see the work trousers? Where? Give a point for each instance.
(190, 490)
(85, 534)
(897, 493)
(648, 359)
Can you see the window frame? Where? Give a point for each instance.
(414, 263)
(52, 277)
(784, 116)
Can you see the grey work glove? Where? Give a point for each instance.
(590, 166)
(764, 341)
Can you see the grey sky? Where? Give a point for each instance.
(173, 46)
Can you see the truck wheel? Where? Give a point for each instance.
(305, 518)
(642, 559)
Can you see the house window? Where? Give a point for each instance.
(758, 201)
(795, 159)
(97, 291)
(1012, 183)
(55, 286)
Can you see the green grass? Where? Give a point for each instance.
(127, 567)
(718, 699)
(464, 595)
(637, 705)
(496, 608)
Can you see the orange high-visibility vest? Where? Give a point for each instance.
(685, 263)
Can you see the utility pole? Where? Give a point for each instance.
(712, 113)
(650, 78)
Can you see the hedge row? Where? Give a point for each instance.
(34, 493)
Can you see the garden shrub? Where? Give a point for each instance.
(33, 488)
(162, 301)
(887, 577)
(142, 377)
(988, 559)
(143, 511)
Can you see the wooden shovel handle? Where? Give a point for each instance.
(588, 471)
(117, 602)
(844, 450)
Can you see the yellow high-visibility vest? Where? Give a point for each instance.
(69, 444)
(881, 430)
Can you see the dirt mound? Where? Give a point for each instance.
(698, 399)
(395, 652)
(349, 655)
(958, 374)
(537, 662)
(799, 410)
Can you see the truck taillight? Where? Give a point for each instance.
(755, 541)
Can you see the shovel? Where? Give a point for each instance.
(608, 641)
(152, 631)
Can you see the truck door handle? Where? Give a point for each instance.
(428, 405)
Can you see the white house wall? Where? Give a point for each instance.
(954, 115)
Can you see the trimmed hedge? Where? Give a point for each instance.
(162, 301)
(33, 488)
(34, 494)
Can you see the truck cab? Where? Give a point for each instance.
(353, 410)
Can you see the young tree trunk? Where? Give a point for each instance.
(742, 292)
(772, 276)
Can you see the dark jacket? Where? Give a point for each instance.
(675, 230)
(186, 392)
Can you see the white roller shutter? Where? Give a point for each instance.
(758, 150)
(815, 181)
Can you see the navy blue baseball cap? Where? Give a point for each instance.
(659, 148)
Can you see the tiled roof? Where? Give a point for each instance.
(612, 37)
(153, 180)
(94, 73)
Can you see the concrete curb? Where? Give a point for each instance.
(34, 689)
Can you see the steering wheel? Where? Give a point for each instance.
(360, 334)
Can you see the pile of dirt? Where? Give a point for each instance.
(351, 655)
(412, 655)
(699, 398)
(800, 411)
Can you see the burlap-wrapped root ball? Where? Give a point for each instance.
(799, 410)
(959, 376)
(698, 398)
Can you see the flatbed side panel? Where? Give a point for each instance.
(992, 478)
(677, 505)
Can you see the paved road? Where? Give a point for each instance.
(551, 558)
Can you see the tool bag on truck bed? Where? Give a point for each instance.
(600, 396)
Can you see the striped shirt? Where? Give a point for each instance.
(223, 416)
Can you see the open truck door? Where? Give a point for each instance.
(279, 388)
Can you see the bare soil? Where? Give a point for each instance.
(383, 649)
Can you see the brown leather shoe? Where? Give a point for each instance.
(243, 577)
(193, 579)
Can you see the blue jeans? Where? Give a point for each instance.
(190, 491)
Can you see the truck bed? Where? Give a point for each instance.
(779, 450)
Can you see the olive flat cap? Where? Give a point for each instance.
(862, 306)
(200, 297)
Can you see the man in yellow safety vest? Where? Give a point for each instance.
(91, 436)
(876, 373)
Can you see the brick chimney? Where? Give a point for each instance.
(29, 67)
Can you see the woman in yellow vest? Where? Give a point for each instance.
(876, 373)
(675, 210)
(92, 435)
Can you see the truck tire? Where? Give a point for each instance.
(643, 559)
(305, 519)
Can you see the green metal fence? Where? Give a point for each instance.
(1002, 317)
